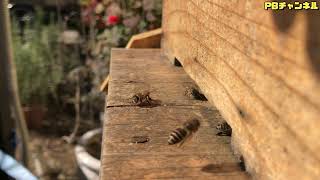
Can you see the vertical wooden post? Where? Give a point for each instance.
(6, 122)
(10, 102)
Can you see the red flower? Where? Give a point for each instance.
(112, 20)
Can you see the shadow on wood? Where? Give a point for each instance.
(285, 19)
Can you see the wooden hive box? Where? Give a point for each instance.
(261, 69)
(135, 136)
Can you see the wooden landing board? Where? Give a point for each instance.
(205, 156)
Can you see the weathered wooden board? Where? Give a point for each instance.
(122, 159)
(263, 79)
(205, 156)
(161, 123)
(144, 66)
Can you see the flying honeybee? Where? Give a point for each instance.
(180, 135)
(224, 129)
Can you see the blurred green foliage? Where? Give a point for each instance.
(35, 55)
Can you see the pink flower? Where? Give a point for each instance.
(112, 20)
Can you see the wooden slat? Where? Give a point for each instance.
(252, 14)
(157, 126)
(149, 39)
(186, 166)
(247, 45)
(265, 88)
(205, 156)
(135, 66)
(104, 85)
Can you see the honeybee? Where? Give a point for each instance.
(180, 135)
(142, 99)
(195, 93)
(224, 129)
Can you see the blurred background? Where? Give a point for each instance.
(61, 50)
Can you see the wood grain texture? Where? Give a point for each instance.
(149, 39)
(135, 66)
(262, 77)
(205, 156)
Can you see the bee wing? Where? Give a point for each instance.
(188, 138)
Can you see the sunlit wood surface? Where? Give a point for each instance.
(205, 156)
(262, 71)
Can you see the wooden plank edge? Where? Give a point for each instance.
(149, 39)
(104, 85)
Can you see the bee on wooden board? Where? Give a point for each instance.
(224, 129)
(180, 135)
(142, 99)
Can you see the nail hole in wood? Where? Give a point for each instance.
(285, 150)
(241, 112)
(177, 63)
(140, 139)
